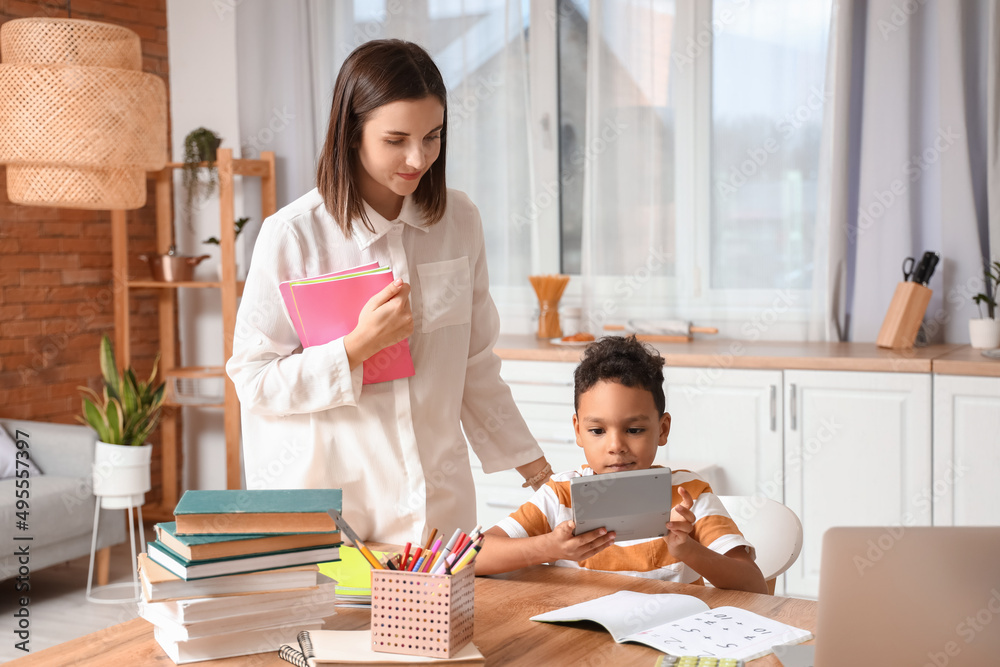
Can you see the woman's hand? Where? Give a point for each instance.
(385, 320)
(563, 545)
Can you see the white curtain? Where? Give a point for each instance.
(479, 48)
(906, 151)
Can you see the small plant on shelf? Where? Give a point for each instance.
(238, 226)
(200, 146)
(127, 410)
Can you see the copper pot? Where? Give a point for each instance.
(172, 268)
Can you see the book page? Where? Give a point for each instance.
(627, 612)
(723, 632)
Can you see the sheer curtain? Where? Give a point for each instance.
(907, 143)
(480, 49)
(701, 163)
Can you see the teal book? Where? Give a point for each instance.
(207, 547)
(187, 570)
(271, 511)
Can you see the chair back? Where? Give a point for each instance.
(772, 528)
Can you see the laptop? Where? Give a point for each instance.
(896, 595)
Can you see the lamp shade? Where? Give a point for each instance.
(80, 123)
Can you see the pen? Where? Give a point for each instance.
(406, 554)
(470, 555)
(347, 530)
(439, 565)
(416, 567)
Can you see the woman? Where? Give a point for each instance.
(395, 448)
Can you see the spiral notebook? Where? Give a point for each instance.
(353, 647)
(324, 308)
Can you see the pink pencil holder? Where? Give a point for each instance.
(415, 613)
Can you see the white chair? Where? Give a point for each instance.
(773, 529)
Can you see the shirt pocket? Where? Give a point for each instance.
(446, 293)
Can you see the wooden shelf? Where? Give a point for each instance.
(160, 284)
(230, 289)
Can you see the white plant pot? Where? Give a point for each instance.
(121, 474)
(984, 334)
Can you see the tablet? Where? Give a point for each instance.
(635, 504)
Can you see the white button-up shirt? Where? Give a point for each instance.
(395, 448)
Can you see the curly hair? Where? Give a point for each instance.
(622, 360)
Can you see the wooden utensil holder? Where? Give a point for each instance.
(415, 613)
(906, 312)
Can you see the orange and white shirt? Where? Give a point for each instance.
(648, 558)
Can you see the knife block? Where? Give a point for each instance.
(906, 312)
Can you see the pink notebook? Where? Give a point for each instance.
(325, 308)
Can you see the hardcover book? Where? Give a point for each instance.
(271, 511)
(208, 547)
(159, 584)
(188, 570)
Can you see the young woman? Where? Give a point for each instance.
(395, 448)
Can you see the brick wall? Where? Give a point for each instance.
(55, 264)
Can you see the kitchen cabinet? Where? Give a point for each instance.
(727, 423)
(965, 491)
(857, 452)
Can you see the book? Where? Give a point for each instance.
(302, 610)
(159, 584)
(324, 308)
(207, 547)
(231, 644)
(211, 512)
(197, 610)
(188, 570)
(330, 647)
(681, 625)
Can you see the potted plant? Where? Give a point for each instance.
(123, 415)
(984, 333)
(238, 226)
(200, 146)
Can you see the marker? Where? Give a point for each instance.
(439, 565)
(470, 555)
(433, 557)
(351, 535)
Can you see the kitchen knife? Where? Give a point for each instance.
(925, 268)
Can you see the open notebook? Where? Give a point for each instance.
(681, 625)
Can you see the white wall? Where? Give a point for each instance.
(202, 52)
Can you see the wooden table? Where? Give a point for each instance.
(504, 603)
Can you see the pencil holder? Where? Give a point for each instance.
(415, 613)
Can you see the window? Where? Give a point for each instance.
(718, 109)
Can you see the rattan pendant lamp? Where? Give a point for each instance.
(80, 122)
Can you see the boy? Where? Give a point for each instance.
(620, 422)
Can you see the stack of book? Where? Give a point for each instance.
(237, 571)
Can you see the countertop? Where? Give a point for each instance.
(707, 351)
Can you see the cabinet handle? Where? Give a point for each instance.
(794, 407)
(557, 441)
(774, 407)
(502, 505)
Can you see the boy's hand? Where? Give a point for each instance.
(681, 524)
(564, 545)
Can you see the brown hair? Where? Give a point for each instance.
(375, 74)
